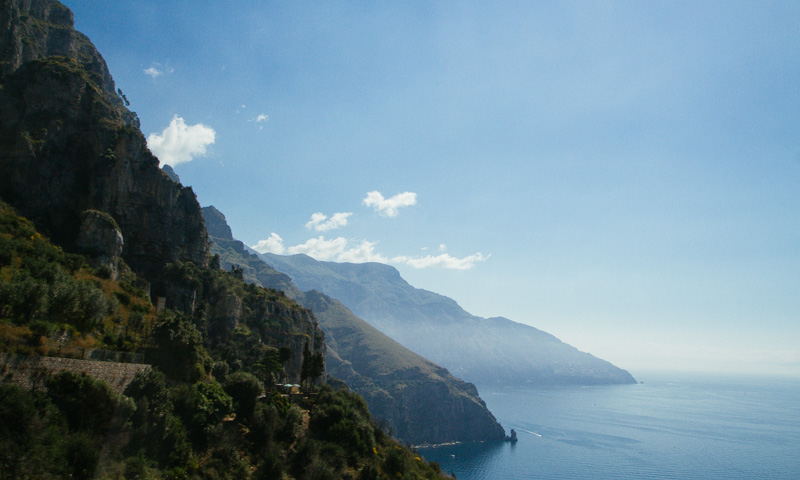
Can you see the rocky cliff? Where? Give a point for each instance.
(68, 145)
(73, 160)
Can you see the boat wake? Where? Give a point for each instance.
(528, 431)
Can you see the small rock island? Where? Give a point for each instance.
(512, 437)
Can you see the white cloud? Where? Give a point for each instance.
(320, 248)
(364, 252)
(263, 117)
(321, 223)
(340, 249)
(274, 244)
(389, 206)
(153, 72)
(444, 260)
(156, 70)
(179, 143)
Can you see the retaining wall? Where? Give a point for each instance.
(31, 371)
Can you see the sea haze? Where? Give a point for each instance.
(672, 426)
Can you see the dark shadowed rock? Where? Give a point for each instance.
(216, 224)
(101, 239)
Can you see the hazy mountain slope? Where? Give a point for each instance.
(477, 349)
(421, 401)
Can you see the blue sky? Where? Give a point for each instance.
(623, 175)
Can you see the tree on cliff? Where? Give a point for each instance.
(179, 351)
(313, 366)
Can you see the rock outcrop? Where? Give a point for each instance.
(216, 224)
(101, 240)
(171, 173)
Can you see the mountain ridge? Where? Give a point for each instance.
(480, 350)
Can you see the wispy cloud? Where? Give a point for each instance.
(445, 260)
(153, 72)
(260, 118)
(389, 206)
(340, 249)
(180, 143)
(274, 244)
(322, 223)
(362, 253)
(156, 70)
(320, 248)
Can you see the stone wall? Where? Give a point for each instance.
(31, 371)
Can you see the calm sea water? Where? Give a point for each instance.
(670, 427)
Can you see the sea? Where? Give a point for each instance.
(669, 426)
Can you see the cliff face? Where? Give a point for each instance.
(73, 160)
(36, 29)
(67, 145)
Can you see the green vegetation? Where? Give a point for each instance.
(206, 409)
(79, 428)
(51, 302)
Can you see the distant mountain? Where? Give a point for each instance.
(171, 173)
(234, 252)
(421, 401)
(480, 350)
